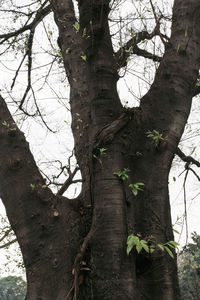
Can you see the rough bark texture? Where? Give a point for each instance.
(53, 232)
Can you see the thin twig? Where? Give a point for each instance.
(41, 13)
(185, 205)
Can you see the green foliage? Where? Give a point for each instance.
(136, 187)
(138, 153)
(149, 245)
(102, 151)
(76, 26)
(122, 174)
(12, 288)
(156, 137)
(189, 269)
(67, 50)
(84, 32)
(32, 185)
(178, 222)
(6, 124)
(84, 57)
(134, 241)
(130, 50)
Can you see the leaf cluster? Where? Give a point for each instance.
(135, 187)
(122, 174)
(156, 137)
(149, 245)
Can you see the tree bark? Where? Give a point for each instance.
(47, 227)
(77, 249)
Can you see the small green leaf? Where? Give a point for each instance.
(178, 47)
(102, 151)
(144, 245)
(176, 231)
(156, 136)
(95, 156)
(84, 57)
(128, 249)
(172, 244)
(84, 32)
(76, 26)
(32, 185)
(138, 153)
(161, 247)
(4, 123)
(135, 187)
(122, 174)
(186, 31)
(169, 251)
(139, 248)
(151, 248)
(174, 178)
(67, 50)
(135, 240)
(135, 192)
(132, 241)
(130, 50)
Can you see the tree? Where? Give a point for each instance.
(189, 269)
(12, 288)
(77, 248)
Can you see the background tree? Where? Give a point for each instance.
(77, 248)
(12, 288)
(189, 269)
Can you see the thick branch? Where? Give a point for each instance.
(172, 89)
(37, 216)
(17, 165)
(146, 54)
(131, 47)
(187, 159)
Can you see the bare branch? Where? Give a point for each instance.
(131, 47)
(187, 159)
(6, 233)
(39, 112)
(157, 23)
(29, 54)
(185, 204)
(68, 182)
(17, 72)
(196, 90)
(197, 176)
(146, 54)
(41, 13)
(8, 244)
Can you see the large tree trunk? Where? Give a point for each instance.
(58, 236)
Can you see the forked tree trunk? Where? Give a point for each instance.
(77, 249)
